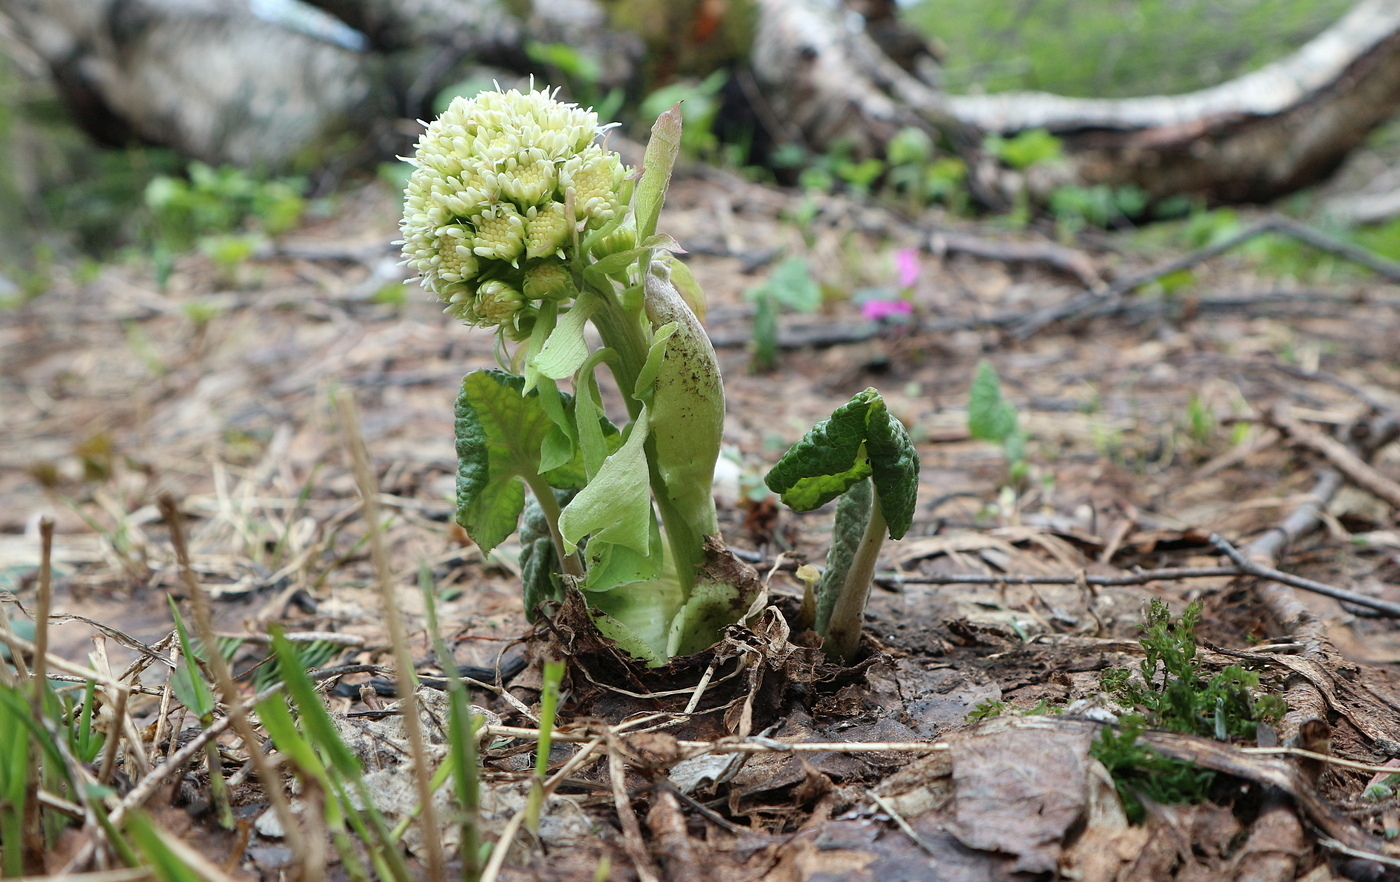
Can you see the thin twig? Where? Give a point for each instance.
(753, 744)
(1142, 577)
(1091, 300)
(632, 840)
(888, 808)
(1343, 459)
(41, 612)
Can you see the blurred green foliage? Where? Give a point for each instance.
(1114, 48)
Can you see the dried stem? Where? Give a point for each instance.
(393, 615)
(236, 708)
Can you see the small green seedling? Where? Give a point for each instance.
(332, 776)
(790, 285)
(863, 455)
(191, 687)
(549, 706)
(990, 417)
(463, 757)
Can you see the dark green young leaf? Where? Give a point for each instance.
(827, 461)
(539, 565)
(860, 438)
(500, 432)
(852, 514)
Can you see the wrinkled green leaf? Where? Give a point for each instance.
(852, 514)
(860, 438)
(828, 459)
(500, 432)
(894, 468)
(539, 565)
(989, 416)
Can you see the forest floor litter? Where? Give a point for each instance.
(1228, 443)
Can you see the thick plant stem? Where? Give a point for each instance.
(685, 534)
(622, 332)
(570, 563)
(844, 627)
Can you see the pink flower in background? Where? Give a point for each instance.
(876, 310)
(906, 261)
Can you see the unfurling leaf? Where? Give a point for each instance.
(662, 150)
(860, 439)
(615, 507)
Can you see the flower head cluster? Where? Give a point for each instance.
(501, 184)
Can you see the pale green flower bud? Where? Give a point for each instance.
(527, 183)
(624, 238)
(456, 262)
(461, 303)
(497, 302)
(548, 231)
(500, 233)
(489, 186)
(549, 281)
(521, 324)
(594, 175)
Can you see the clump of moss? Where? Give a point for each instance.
(1175, 694)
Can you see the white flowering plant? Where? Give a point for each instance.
(522, 222)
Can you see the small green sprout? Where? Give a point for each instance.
(990, 417)
(986, 709)
(789, 285)
(863, 455)
(549, 706)
(192, 689)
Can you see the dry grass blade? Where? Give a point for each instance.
(235, 707)
(393, 616)
(41, 612)
(632, 840)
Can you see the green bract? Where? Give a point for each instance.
(521, 222)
